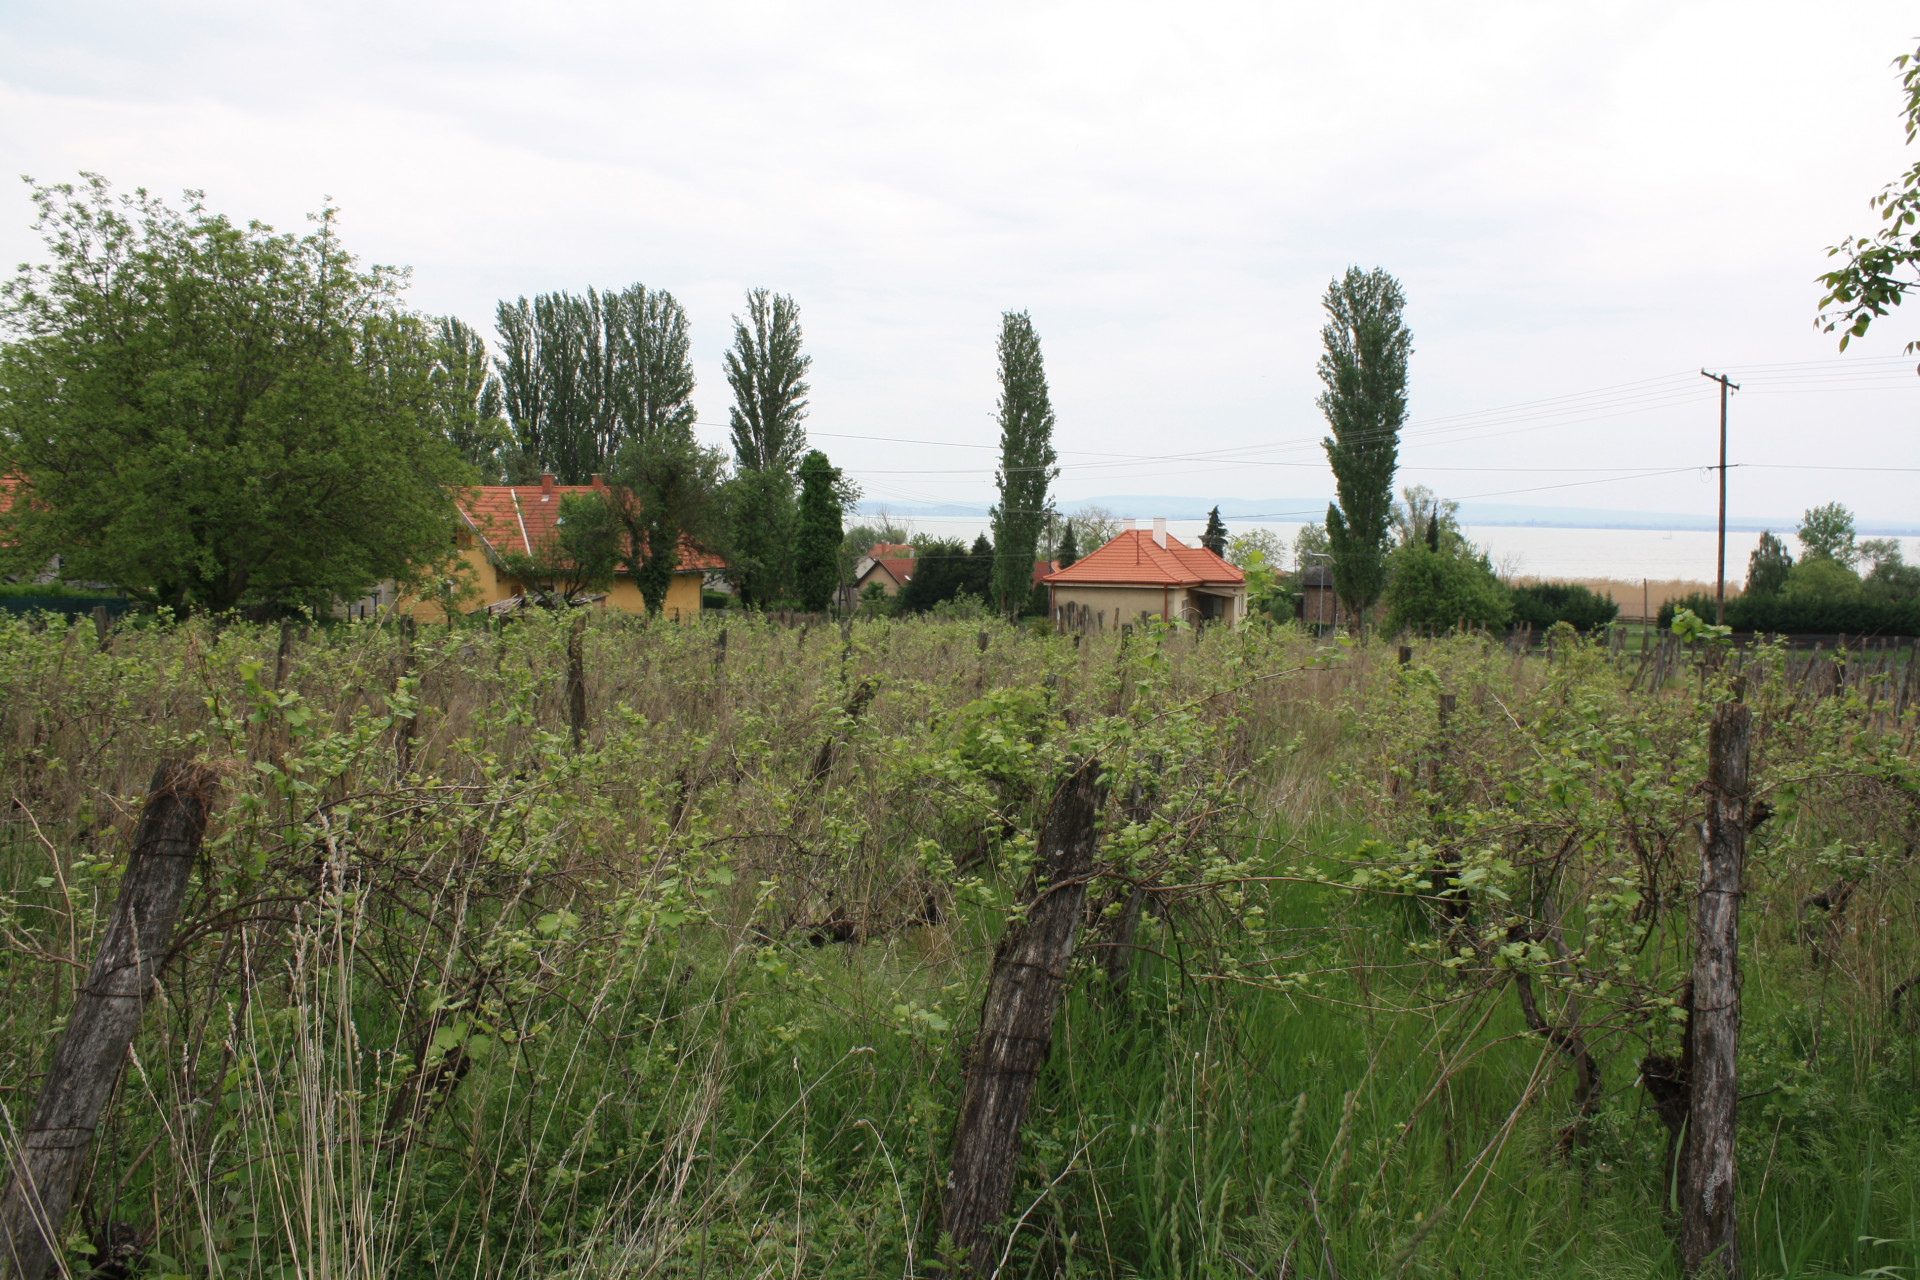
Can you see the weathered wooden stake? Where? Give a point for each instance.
(106, 1014)
(102, 625)
(1708, 1243)
(403, 733)
(1016, 1025)
(577, 681)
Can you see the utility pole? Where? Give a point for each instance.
(1720, 574)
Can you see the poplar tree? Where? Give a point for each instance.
(1364, 371)
(767, 371)
(466, 396)
(1027, 462)
(583, 376)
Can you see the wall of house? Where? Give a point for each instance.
(1120, 604)
(1233, 605)
(487, 586)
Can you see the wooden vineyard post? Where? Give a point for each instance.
(42, 1169)
(1708, 1243)
(577, 681)
(403, 732)
(1016, 1025)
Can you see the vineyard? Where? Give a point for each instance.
(927, 948)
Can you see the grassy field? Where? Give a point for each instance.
(455, 996)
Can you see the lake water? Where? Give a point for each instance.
(1628, 554)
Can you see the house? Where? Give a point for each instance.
(1146, 574)
(888, 563)
(502, 523)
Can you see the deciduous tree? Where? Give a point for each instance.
(215, 415)
(767, 370)
(1877, 272)
(1027, 462)
(466, 397)
(584, 375)
(1767, 566)
(667, 487)
(1364, 371)
(1826, 533)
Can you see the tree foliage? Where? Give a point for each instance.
(1214, 536)
(1069, 549)
(1027, 461)
(1826, 533)
(945, 569)
(1876, 272)
(668, 487)
(1767, 566)
(1435, 590)
(760, 518)
(466, 397)
(1544, 603)
(1364, 372)
(579, 554)
(218, 416)
(582, 375)
(767, 370)
(824, 495)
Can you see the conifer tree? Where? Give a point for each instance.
(816, 552)
(1364, 370)
(1027, 462)
(1069, 548)
(1214, 537)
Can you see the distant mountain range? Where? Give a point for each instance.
(1471, 513)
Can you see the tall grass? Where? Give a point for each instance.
(688, 1003)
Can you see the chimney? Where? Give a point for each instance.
(1127, 524)
(546, 482)
(1160, 532)
(599, 481)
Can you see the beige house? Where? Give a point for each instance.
(1141, 574)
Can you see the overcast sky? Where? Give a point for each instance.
(1576, 198)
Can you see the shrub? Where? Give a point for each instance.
(1433, 590)
(1790, 613)
(1545, 603)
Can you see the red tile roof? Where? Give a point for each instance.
(1132, 558)
(894, 567)
(513, 519)
(892, 551)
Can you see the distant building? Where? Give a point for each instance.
(1316, 604)
(888, 563)
(1146, 574)
(498, 522)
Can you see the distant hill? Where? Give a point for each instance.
(1147, 506)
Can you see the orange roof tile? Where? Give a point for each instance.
(513, 519)
(1132, 558)
(894, 567)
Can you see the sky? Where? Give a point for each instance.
(1585, 205)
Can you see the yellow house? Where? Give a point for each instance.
(502, 521)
